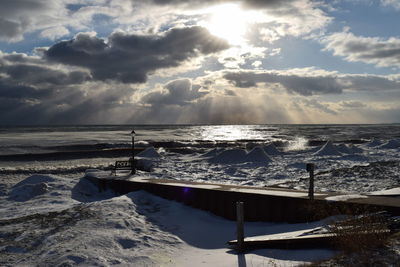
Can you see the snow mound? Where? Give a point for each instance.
(26, 192)
(149, 152)
(356, 150)
(374, 143)
(342, 148)
(328, 150)
(389, 192)
(230, 156)
(390, 144)
(271, 150)
(145, 165)
(36, 179)
(258, 154)
(211, 153)
(345, 197)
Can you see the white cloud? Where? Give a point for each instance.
(371, 50)
(391, 3)
(54, 32)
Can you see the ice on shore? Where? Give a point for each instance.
(271, 150)
(212, 153)
(137, 229)
(342, 148)
(31, 187)
(235, 156)
(258, 154)
(391, 144)
(345, 197)
(230, 156)
(355, 149)
(374, 143)
(149, 152)
(328, 150)
(389, 192)
(28, 191)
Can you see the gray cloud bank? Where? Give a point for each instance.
(53, 95)
(130, 58)
(293, 83)
(312, 82)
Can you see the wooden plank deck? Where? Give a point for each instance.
(260, 203)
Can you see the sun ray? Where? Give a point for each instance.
(230, 22)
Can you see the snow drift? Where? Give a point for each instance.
(271, 150)
(149, 152)
(328, 150)
(229, 156)
(391, 144)
(234, 156)
(258, 154)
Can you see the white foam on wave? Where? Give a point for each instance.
(299, 143)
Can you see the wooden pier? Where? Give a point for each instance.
(260, 203)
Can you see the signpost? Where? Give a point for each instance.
(310, 168)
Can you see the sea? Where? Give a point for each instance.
(70, 150)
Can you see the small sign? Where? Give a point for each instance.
(123, 164)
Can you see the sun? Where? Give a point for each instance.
(230, 22)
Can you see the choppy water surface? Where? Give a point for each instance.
(69, 150)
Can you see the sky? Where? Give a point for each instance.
(199, 61)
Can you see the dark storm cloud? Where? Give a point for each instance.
(302, 85)
(25, 78)
(32, 74)
(130, 58)
(21, 91)
(32, 91)
(9, 7)
(178, 92)
(88, 103)
(10, 29)
(15, 16)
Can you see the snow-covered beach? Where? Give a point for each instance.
(53, 217)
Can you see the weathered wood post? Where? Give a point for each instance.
(310, 168)
(240, 226)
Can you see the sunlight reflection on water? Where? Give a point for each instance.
(233, 132)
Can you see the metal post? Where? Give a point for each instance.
(310, 168)
(240, 226)
(133, 167)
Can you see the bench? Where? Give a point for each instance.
(122, 165)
